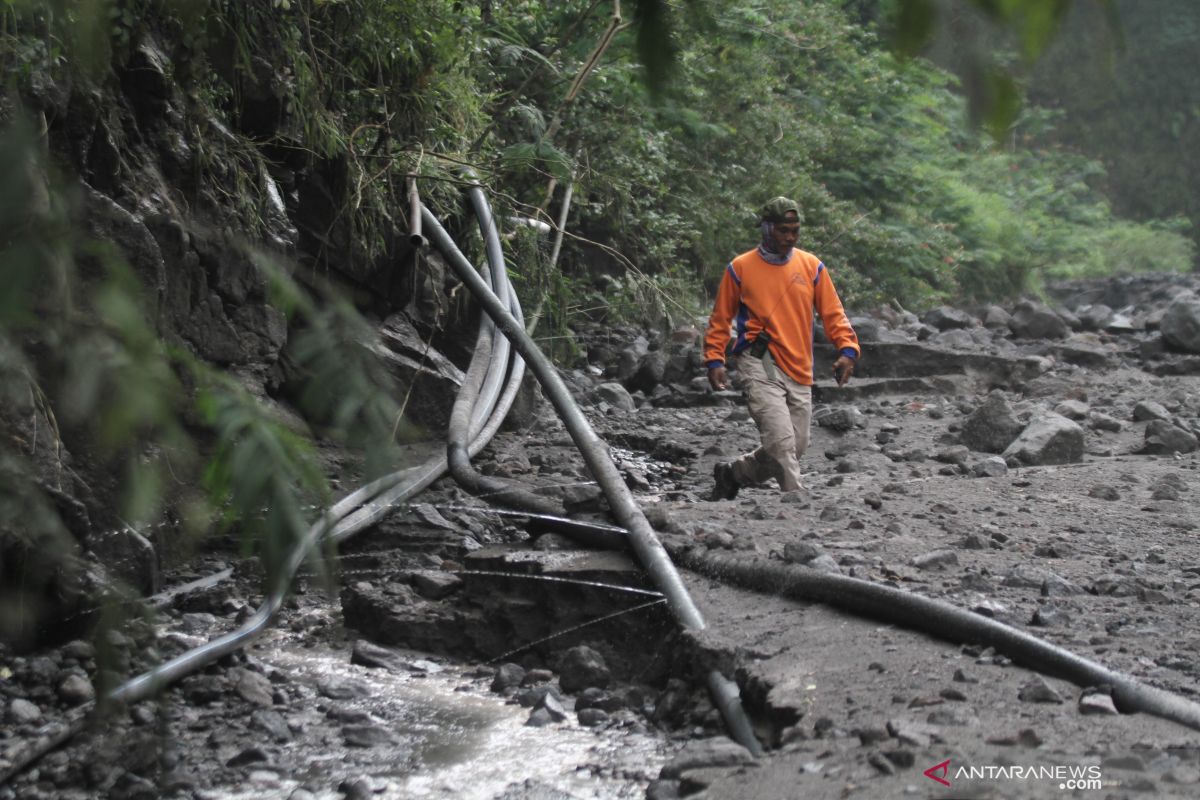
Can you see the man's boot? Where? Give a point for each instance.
(725, 486)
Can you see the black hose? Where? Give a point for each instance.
(915, 612)
(939, 619)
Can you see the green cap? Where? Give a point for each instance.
(777, 210)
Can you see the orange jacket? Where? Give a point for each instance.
(755, 294)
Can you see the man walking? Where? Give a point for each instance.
(767, 296)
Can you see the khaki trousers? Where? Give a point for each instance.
(782, 409)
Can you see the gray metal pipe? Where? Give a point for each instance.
(646, 546)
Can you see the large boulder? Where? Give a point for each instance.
(1032, 320)
(991, 427)
(1181, 325)
(1165, 438)
(945, 318)
(1049, 439)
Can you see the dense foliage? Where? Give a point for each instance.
(1135, 108)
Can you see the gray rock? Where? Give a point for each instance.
(435, 584)
(945, 318)
(553, 706)
(825, 563)
(953, 340)
(800, 552)
(936, 559)
(992, 427)
(801, 497)
(1033, 320)
(582, 667)
(990, 467)
(913, 734)
(253, 687)
(1104, 491)
(508, 676)
(1057, 586)
(1145, 410)
(1094, 317)
(592, 717)
(616, 396)
(1038, 691)
(540, 718)
(841, 418)
(958, 454)
(1099, 704)
(368, 735)
(76, 690)
(1103, 422)
(995, 317)
(1181, 325)
(1048, 439)
(271, 723)
(338, 689)
(1163, 438)
(21, 711)
(1072, 409)
(650, 372)
(715, 752)
(1026, 576)
(1050, 616)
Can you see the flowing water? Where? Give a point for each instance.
(452, 739)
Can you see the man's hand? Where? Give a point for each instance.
(842, 369)
(717, 379)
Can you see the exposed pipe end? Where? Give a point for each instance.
(418, 241)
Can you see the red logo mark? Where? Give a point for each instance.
(938, 772)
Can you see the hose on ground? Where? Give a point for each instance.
(939, 619)
(482, 369)
(642, 538)
(915, 612)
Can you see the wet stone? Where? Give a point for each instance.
(366, 736)
(21, 711)
(582, 667)
(532, 696)
(335, 689)
(592, 717)
(271, 723)
(251, 755)
(507, 677)
(537, 676)
(253, 687)
(540, 718)
(76, 690)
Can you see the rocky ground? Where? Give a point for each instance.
(1037, 467)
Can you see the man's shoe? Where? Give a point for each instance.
(725, 486)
